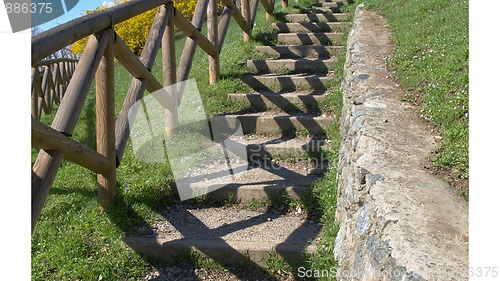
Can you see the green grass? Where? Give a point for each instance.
(324, 190)
(432, 61)
(72, 240)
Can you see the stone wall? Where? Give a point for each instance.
(397, 220)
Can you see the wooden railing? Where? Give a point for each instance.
(97, 61)
(49, 80)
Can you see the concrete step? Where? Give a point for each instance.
(287, 102)
(331, 4)
(286, 83)
(286, 148)
(229, 236)
(281, 123)
(320, 10)
(299, 51)
(287, 66)
(265, 176)
(317, 17)
(309, 26)
(317, 38)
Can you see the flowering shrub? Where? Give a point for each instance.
(135, 30)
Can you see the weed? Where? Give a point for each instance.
(258, 204)
(276, 265)
(231, 199)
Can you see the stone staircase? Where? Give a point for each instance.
(284, 133)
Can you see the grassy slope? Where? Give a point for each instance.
(72, 240)
(432, 61)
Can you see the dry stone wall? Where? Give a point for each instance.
(397, 220)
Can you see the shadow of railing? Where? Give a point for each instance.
(198, 235)
(321, 17)
(276, 82)
(312, 66)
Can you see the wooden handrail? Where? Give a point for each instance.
(52, 40)
(51, 79)
(54, 61)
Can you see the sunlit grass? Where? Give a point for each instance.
(73, 240)
(432, 61)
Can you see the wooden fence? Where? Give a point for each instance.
(50, 82)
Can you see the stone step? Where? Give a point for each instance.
(309, 26)
(317, 38)
(229, 236)
(286, 83)
(343, 17)
(287, 66)
(282, 123)
(299, 51)
(286, 102)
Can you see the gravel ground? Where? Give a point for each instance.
(233, 223)
(188, 273)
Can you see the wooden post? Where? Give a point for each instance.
(58, 83)
(45, 168)
(35, 82)
(46, 89)
(169, 71)
(105, 123)
(213, 61)
(284, 3)
(245, 11)
(65, 78)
